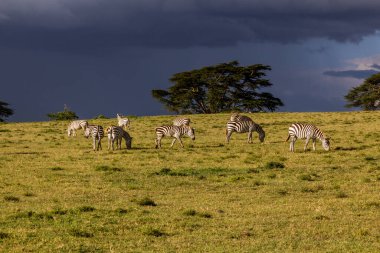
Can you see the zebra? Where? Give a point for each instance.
(117, 133)
(123, 122)
(76, 125)
(238, 117)
(307, 131)
(97, 134)
(244, 127)
(174, 131)
(181, 121)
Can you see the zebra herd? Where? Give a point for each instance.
(181, 127)
(96, 132)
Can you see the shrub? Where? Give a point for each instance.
(101, 116)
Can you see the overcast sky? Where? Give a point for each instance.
(105, 56)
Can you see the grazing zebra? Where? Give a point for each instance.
(238, 117)
(173, 131)
(117, 133)
(244, 127)
(181, 121)
(76, 125)
(97, 134)
(123, 122)
(307, 131)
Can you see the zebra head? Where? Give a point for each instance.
(87, 132)
(191, 132)
(262, 136)
(326, 144)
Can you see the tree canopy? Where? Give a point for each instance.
(4, 111)
(65, 115)
(218, 88)
(366, 95)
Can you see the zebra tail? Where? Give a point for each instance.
(287, 138)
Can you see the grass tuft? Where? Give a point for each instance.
(309, 177)
(121, 210)
(56, 168)
(274, 165)
(190, 212)
(253, 170)
(154, 232)
(85, 209)
(11, 199)
(80, 233)
(146, 202)
(321, 217)
(341, 195)
(374, 204)
(107, 168)
(4, 235)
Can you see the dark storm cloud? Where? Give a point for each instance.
(78, 25)
(358, 74)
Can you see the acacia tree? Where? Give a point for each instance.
(4, 111)
(219, 88)
(366, 95)
(67, 114)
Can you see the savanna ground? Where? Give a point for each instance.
(58, 195)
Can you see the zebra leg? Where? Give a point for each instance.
(314, 144)
(173, 141)
(249, 137)
(100, 144)
(113, 144)
(94, 143)
(292, 142)
(306, 143)
(180, 141)
(228, 136)
(158, 142)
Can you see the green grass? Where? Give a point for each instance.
(58, 195)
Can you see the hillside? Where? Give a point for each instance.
(57, 194)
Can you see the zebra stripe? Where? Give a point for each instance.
(123, 122)
(117, 133)
(173, 131)
(238, 117)
(307, 131)
(97, 133)
(76, 125)
(244, 127)
(181, 121)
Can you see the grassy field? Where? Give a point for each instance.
(58, 195)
